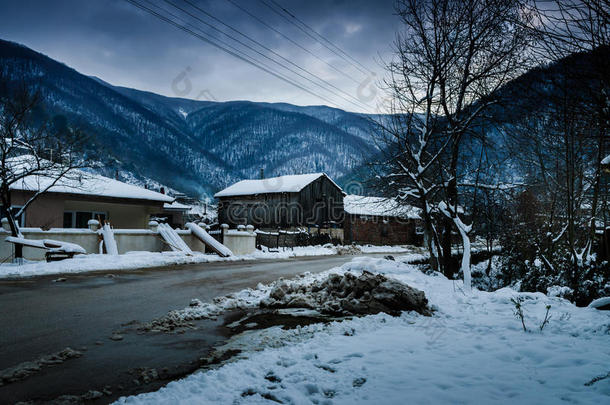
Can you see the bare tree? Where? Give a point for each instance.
(33, 152)
(566, 27)
(451, 58)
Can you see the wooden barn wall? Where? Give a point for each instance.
(322, 202)
(264, 210)
(316, 204)
(380, 231)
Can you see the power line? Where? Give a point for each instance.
(320, 38)
(235, 54)
(366, 70)
(357, 102)
(293, 41)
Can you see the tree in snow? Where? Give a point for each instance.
(566, 27)
(450, 59)
(33, 149)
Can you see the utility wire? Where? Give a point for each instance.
(366, 70)
(356, 101)
(272, 28)
(230, 52)
(320, 39)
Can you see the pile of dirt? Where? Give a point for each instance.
(349, 294)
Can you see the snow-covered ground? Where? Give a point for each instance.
(138, 260)
(473, 350)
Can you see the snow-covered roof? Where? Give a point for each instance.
(282, 184)
(378, 206)
(81, 182)
(176, 206)
(606, 160)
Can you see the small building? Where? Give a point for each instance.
(175, 214)
(303, 200)
(380, 221)
(83, 196)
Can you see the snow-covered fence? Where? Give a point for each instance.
(127, 240)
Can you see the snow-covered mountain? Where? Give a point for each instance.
(194, 146)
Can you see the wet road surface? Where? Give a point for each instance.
(39, 316)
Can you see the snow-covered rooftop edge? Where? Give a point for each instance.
(282, 184)
(81, 182)
(379, 206)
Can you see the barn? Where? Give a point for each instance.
(380, 221)
(302, 200)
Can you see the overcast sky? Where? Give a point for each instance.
(123, 45)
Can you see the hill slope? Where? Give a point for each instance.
(194, 146)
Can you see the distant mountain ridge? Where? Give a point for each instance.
(197, 147)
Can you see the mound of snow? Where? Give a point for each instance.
(349, 294)
(601, 303)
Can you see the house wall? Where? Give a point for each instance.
(121, 216)
(48, 209)
(376, 230)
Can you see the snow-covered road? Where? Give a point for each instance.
(473, 350)
(42, 316)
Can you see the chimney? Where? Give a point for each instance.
(262, 173)
(162, 190)
(116, 174)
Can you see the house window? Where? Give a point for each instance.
(79, 219)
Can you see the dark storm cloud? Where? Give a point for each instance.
(125, 46)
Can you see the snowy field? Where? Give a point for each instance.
(473, 350)
(139, 260)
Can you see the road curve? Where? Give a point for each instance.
(40, 316)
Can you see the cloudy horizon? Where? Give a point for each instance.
(126, 46)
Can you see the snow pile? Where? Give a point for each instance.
(601, 303)
(349, 294)
(559, 291)
(472, 349)
(28, 368)
(391, 249)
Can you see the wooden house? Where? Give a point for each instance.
(304, 200)
(380, 221)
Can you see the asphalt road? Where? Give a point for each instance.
(39, 316)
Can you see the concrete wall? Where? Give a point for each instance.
(240, 242)
(128, 240)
